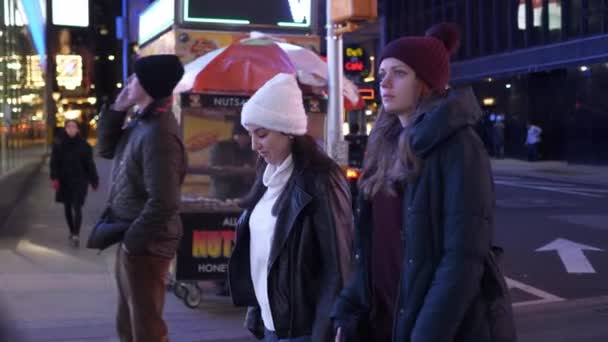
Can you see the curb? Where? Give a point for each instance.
(577, 173)
(578, 180)
(599, 304)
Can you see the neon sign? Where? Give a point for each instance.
(355, 60)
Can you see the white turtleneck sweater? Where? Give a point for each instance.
(262, 225)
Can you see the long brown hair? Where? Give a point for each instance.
(389, 161)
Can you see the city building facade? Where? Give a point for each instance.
(529, 61)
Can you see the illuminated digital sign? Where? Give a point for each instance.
(260, 13)
(158, 17)
(71, 13)
(69, 71)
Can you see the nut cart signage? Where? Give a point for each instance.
(206, 248)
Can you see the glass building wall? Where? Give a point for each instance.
(22, 119)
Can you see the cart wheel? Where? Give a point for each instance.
(193, 298)
(180, 290)
(171, 284)
(198, 285)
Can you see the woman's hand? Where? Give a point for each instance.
(55, 184)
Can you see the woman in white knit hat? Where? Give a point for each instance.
(293, 248)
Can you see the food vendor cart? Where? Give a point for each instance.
(225, 64)
(209, 101)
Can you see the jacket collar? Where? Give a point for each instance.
(299, 198)
(157, 106)
(442, 116)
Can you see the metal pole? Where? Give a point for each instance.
(51, 106)
(335, 147)
(125, 42)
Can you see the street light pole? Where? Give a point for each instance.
(335, 145)
(125, 42)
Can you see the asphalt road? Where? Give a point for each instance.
(555, 236)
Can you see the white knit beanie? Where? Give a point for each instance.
(277, 106)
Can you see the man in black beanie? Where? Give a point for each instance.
(148, 170)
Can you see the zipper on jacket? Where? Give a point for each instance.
(291, 300)
(404, 265)
(397, 309)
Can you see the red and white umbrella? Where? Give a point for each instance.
(245, 66)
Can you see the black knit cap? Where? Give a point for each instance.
(159, 74)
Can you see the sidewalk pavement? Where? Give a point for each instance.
(581, 320)
(52, 292)
(552, 170)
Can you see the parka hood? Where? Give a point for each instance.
(441, 117)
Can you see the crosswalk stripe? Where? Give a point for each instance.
(545, 297)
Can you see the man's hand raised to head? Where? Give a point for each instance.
(122, 102)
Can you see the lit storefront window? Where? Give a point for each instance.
(22, 116)
(555, 14)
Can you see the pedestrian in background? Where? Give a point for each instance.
(499, 137)
(148, 170)
(232, 164)
(72, 171)
(293, 247)
(425, 270)
(533, 141)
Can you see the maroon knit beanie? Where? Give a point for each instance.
(429, 55)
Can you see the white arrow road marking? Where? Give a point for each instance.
(545, 297)
(571, 254)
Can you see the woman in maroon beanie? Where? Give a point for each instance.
(426, 270)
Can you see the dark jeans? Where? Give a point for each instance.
(141, 297)
(499, 151)
(73, 214)
(270, 336)
(533, 152)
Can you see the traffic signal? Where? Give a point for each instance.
(343, 11)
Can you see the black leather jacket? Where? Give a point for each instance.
(309, 259)
(148, 169)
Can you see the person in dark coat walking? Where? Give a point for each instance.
(149, 165)
(72, 171)
(293, 242)
(427, 178)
